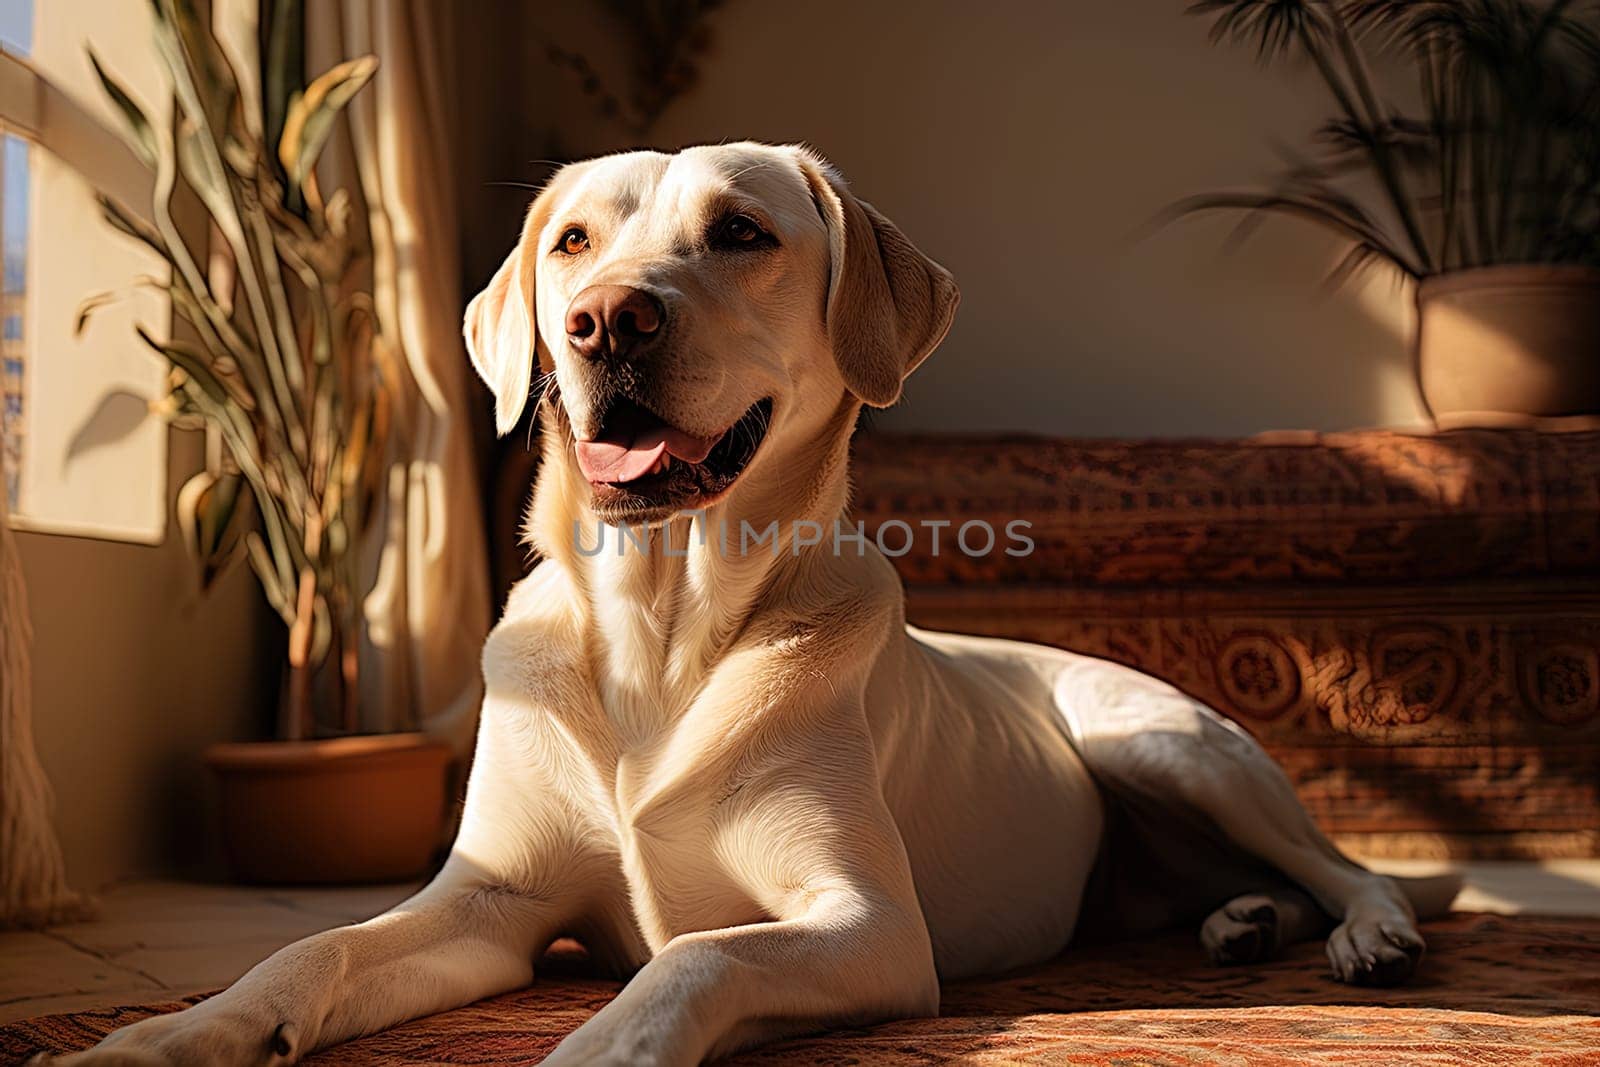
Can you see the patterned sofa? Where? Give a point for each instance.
(1410, 623)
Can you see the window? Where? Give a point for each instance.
(83, 454)
(16, 36)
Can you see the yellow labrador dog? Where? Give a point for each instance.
(732, 767)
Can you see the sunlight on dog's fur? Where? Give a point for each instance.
(742, 775)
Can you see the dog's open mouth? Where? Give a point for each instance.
(641, 463)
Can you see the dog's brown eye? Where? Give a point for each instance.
(573, 241)
(740, 230)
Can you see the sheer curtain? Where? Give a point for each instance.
(428, 607)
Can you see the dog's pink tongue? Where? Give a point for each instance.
(609, 461)
(630, 449)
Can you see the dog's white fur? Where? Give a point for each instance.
(743, 774)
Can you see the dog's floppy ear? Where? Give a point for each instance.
(889, 305)
(500, 326)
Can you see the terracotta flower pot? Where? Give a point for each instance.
(351, 809)
(1506, 346)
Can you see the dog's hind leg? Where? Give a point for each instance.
(1144, 739)
(1255, 926)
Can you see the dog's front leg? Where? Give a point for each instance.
(851, 959)
(455, 942)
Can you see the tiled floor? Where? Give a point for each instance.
(160, 940)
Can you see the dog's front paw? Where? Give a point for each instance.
(1376, 952)
(1378, 943)
(605, 1045)
(193, 1038)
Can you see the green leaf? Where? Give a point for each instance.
(122, 219)
(207, 87)
(222, 387)
(143, 142)
(267, 571)
(201, 167)
(208, 95)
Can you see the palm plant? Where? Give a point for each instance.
(284, 362)
(1501, 165)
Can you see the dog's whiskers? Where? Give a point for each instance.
(541, 389)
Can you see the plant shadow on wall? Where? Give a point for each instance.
(285, 363)
(1488, 198)
(664, 40)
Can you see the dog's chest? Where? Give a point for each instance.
(677, 884)
(631, 754)
(665, 815)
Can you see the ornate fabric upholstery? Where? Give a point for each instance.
(1410, 623)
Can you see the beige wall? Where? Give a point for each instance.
(133, 675)
(1023, 143)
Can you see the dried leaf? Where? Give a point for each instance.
(311, 115)
(214, 512)
(87, 309)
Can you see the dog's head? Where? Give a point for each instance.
(704, 314)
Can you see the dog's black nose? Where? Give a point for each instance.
(613, 320)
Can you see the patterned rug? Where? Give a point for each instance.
(1492, 990)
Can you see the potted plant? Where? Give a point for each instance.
(1488, 197)
(285, 365)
